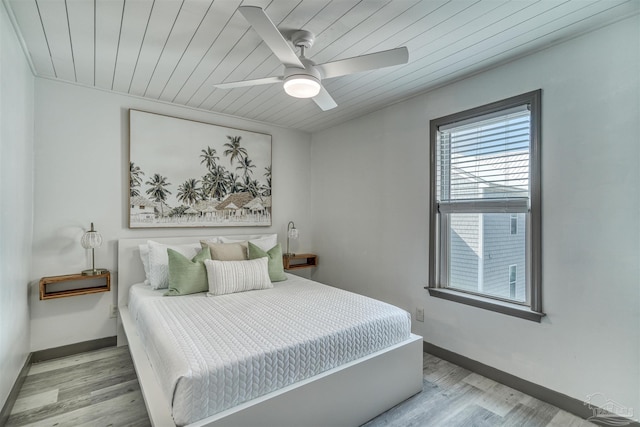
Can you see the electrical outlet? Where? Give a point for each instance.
(113, 310)
(420, 314)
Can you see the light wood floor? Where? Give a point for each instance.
(100, 388)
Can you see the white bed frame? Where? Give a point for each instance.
(349, 395)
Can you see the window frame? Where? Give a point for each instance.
(533, 228)
(513, 283)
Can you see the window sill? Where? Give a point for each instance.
(503, 307)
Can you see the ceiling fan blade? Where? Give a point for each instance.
(324, 100)
(271, 36)
(245, 83)
(358, 64)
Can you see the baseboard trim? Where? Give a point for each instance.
(555, 398)
(71, 349)
(13, 394)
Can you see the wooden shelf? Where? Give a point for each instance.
(297, 261)
(46, 281)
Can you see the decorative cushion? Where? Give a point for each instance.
(187, 276)
(159, 261)
(226, 251)
(144, 256)
(274, 255)
(264, 242)
(227, 277)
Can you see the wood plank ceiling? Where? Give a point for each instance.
(176, 50)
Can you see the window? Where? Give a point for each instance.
(485, 207)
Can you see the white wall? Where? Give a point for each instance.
(16, 204)
(81, 175)
(370, 186)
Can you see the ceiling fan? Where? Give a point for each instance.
(302, 77)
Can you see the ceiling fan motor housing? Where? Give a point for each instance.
(309, 70)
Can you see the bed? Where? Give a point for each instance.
(275, 368)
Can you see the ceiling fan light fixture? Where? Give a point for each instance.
(301, 86)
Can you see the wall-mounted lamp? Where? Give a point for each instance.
(292, 233)
(91, 240)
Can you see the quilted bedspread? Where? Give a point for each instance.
(213, 353)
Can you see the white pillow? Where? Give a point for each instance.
(265, 242)
(226, 277)
(159, 261)
(144, 256)
(214, 239)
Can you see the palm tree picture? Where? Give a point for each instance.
(135, 180)
(245, 166)
(197, 174)
(189, 192)
(234, 150)
(209, 158)
(158, 190)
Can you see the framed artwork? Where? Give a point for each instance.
(184, 173)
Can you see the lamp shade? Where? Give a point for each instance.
(91, 239)
(302, 86)
(292, 233)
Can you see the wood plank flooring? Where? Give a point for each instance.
(453, 396)
(97, 388)
(100, 388)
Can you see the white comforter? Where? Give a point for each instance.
(213, 353)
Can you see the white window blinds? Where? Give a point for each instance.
(482, 164)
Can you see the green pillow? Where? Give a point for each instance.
(276, 269)
(187, 276)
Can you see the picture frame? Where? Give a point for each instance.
(186, 173)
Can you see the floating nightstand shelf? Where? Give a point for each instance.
(52, 280)
(297, 261)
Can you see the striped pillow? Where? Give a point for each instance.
(226, 277)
